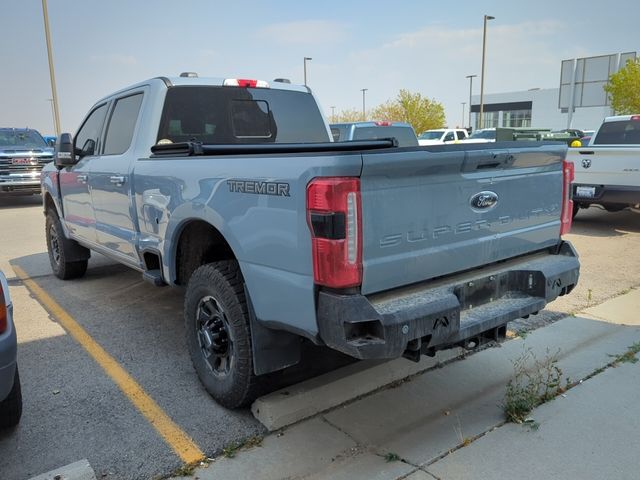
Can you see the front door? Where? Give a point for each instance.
(74, 180)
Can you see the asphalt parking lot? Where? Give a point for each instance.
(73, 407)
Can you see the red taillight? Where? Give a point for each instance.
(383, 124)
(245, 83)
(567, 203)
(3, 312)
(334, 217)
(635, 118)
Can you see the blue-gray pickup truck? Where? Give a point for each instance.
(233, 189)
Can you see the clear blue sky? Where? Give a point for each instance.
(423, 46)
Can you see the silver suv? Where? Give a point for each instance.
(10, 394)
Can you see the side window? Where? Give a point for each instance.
(86, 140)
(461, 134)
(121, 124)
(449, 137)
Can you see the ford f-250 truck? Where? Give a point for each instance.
(607, 171)
(233, 189)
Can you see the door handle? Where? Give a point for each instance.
(117, 179)
(82, 178)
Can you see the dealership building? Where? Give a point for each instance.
(550, 107)
(533, 108)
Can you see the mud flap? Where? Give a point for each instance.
(272, 350)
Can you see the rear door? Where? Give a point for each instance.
(434, 212)
(111, 178)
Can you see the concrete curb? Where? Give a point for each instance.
(80, 470)
(292, 404)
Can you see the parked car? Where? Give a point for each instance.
(403, 132)
(233, 189)
(23, 153)
(10, 393)
(442, 135)
(607, 170)
(484, 135)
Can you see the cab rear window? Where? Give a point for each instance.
(626, 132)
(235, 115)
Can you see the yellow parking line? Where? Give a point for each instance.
(175, 437)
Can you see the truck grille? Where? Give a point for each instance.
(8, 167)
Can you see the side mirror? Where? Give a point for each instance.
(64, 154)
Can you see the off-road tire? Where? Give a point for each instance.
(223, 282)
(58, 247)
(11, 407)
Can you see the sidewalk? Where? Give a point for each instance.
(425, 421)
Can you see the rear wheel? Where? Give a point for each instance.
(218, 334)
(11, 407)
(59, 247)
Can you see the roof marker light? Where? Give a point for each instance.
(383, 124)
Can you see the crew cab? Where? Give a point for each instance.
(23, 153)
(232, 189)
(607, 171)
(442, 136)
(401, 131)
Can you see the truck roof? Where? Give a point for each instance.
(206, 81)
(622, 118)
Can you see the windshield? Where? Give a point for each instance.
(431, 135)
(404, 135)
(21, 139)
(488, 134)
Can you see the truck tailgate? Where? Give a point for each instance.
(432, 212)
(607, 165)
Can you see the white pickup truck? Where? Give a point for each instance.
(607, 171)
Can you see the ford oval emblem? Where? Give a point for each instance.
(484, 200)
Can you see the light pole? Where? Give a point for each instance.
(333, 113)
(53, 113)
(54, 93)
(305, 69)
(470, 77)
(463, 104)
(364, 114)
(484, 52)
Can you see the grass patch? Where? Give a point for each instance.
(233, 448)
(534, 383)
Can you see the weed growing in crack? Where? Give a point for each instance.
(392, 457)
(534, 383)
(629, 356)
(231, 449)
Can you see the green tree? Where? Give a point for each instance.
(421, 112)
(623, 88)
(347, 116)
